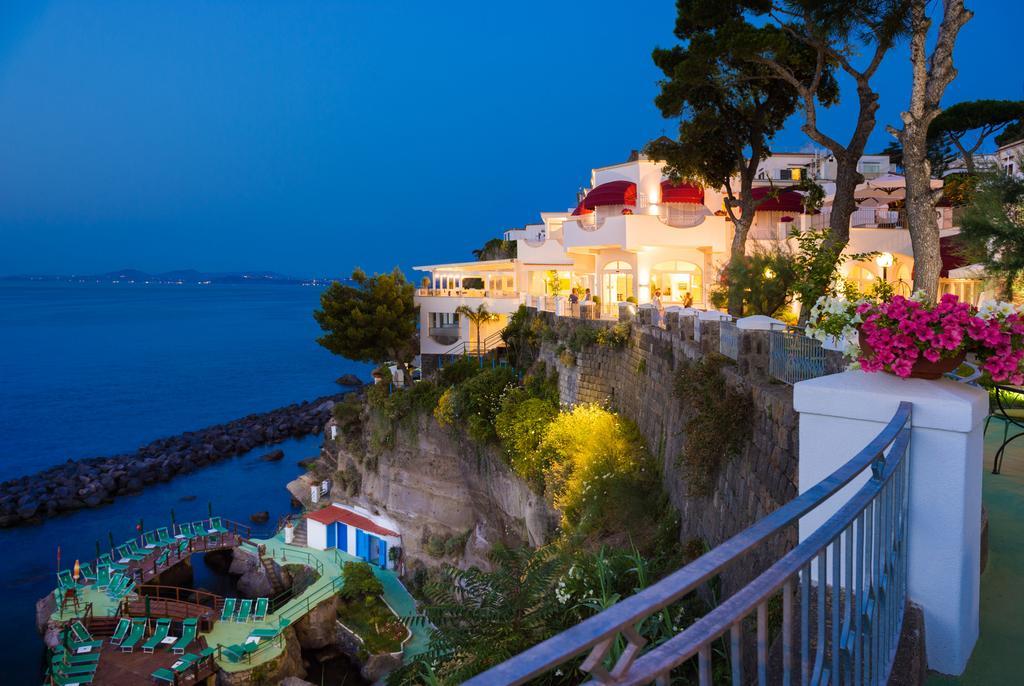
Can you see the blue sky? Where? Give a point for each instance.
(309, 137)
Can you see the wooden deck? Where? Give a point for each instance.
(135, 668)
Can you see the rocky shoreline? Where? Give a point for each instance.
(91, 482)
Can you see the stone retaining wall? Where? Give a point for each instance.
(638, 381)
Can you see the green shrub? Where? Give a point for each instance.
(538, 383)
(567, 357)
(615, 337)
(476, 402)
(719, 422)
(348, 413)
(520, 426)
(359, 581)
(582, 337)
(458, 371)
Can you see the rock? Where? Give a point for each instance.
(273, 456)
(44, 609)
(348, 380)
(260, 517)
(28, 509)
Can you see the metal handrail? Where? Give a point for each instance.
(597, 633)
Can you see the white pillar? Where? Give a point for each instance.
(839, 414)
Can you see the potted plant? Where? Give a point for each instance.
(912, 338)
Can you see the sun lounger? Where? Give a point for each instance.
(163, 536)
(185, 531)
(121, 631)
(184, 662)
(199, 529)
(128, 590)
(264, 633)
(86, 572)
(68, 658)
(206, 652)
(73, 680)
(160, 633)
(65, 580)
(133, 545)
(216, 526)
(66, 669)
(104, 559)
(138, 629)
(79, 633)
(102, 576)
(162, 560)
(117, 582)
(234, 653)
(244, 608)
(150, 540)
(125, 555)
(163, 675)
(229, 610)
(188, 634)
(260, 612)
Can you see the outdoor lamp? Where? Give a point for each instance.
(884, 260)
(769, 273)
(78, 571)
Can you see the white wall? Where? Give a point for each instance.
(316, 535)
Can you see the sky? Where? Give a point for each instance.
(312, 137)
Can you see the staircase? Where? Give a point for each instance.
(300, 538)
(101, 627)
(275, 579)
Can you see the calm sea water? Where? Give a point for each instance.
(91, 370)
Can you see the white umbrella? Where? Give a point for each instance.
(887, 187)
(969, 271)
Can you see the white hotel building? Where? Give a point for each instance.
(634, 232)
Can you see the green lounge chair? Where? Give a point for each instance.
(138, 630)
(86, 572)
(126, 555)
(65, 669)
(185, 531)
(263, 633)
(121, 631)
(162, 560)
(163, 537)
(133, 545)
(184, 662)
(244, 608)
(199, 529)
(117, 582)
(163, 675)
(73, 680)
(163, 625)
(102, 576)
(188, 634)
(65, 580)
(67, 658)
(104, 559)
(234, 653)
(260, 613)
(150, 540)
(128, 590)
(217, 526)
(206, 652)
(79, 632)
(229, 610)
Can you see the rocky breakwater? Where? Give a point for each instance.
(94, 481)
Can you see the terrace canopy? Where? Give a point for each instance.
(611, 193)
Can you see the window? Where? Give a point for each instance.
(791, 174)
(870, 167)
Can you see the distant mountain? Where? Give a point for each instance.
(177, 276)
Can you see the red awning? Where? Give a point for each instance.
(611, 193)
(949, 250)
(684, 192)
(786, 201)
(332, 514)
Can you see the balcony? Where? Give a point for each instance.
(637, 231)
(445, 335)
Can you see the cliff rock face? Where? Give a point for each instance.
(446, 493)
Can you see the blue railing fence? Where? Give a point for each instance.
(729, 340)
(841, 594)
(794, 357)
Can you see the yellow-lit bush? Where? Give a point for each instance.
(521, 426)
(598, 473)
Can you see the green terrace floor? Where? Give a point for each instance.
(994, 660)
(230, 633)
(327, 561)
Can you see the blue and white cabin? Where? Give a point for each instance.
(355, 531)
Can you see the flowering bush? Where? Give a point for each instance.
(903, 330)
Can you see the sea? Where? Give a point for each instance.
(90, 369)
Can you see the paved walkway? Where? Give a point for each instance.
(1002, 585)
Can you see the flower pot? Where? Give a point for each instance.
(923, 368)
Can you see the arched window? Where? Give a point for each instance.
(618, 266)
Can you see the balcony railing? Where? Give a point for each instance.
(842, 593)
(794, 357)
(729, 340)
(467, 293)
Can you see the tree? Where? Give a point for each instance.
(982, 118)
(359, 582)
(371, 320)
(730, 108)
(852, 36)
(992, 231)
(932, 73)
(496, 249)
(480, 316)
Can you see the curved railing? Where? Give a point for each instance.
(846, 618)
